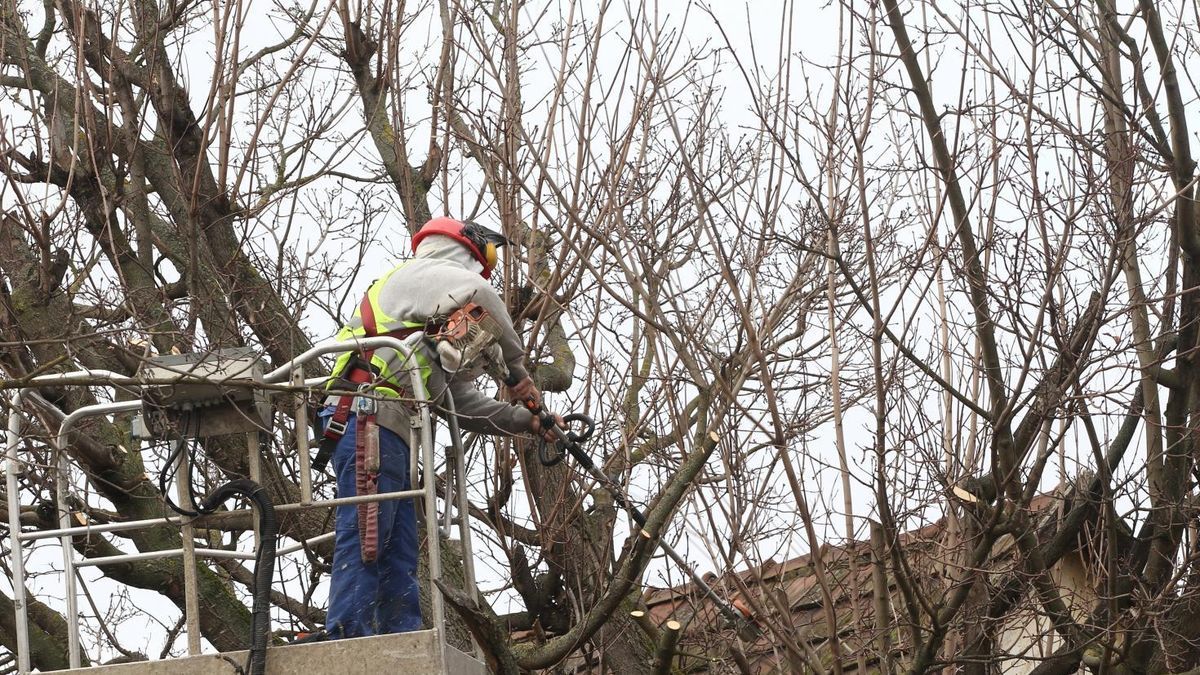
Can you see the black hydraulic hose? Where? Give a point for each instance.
(264, 559)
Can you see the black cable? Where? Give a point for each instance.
(168, 473)
(548, 454)
(268, 530)
(264, 561)
(193, 445)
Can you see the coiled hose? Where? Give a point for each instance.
(264, 559)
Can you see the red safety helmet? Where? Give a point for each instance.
(479, 240)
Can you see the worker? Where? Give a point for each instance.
(373, 584)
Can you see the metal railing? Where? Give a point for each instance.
(293, 372)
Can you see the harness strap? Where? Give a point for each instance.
(366, 482)
(336, 428)
(358, 372)
(361, 372)
(367, 313)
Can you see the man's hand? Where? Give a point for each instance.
(525, 391)
(548, 435)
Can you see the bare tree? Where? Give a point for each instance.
(1020, 180)
(175, 181)
(915, 316)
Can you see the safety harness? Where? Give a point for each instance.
(364, 377)
(468, 335)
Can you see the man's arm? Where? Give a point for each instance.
(483, 414)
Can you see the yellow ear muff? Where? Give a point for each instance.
(489, 252)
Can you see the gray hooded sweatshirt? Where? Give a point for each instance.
(440, 278)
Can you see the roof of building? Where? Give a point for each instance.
(768, 591)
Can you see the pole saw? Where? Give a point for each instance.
(571, 442)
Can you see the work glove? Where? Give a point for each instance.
(524, 392)
(548, 435)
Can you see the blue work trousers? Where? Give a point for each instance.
(381, 597)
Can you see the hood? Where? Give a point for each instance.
(438, 247)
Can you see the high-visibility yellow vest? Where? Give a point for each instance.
(372, 322)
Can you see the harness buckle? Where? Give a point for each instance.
(335, 428)
(365, 405)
